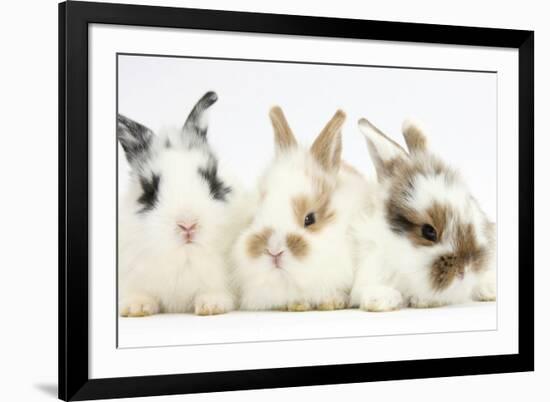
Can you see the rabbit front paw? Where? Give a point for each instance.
(381, 299)
(299, 306)
(139, 306)
(213, 304)
(485, 292)
(335, 303)
(418, 302)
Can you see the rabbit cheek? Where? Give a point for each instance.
(444, 270)
(467, 246)
(468, 256)
(297, 245)
(257, 243)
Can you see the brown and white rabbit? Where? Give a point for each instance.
(297, 253)
(423, 239)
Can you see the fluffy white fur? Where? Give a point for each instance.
(158, 270)
(324, 277)
(392, 272)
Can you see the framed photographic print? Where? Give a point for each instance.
(258, 200)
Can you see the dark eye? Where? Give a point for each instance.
(309, 220)
(429, 233)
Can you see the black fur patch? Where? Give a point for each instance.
(135, 138)
(150, 188)
(193, 130)
(399, 224)
(218, 189)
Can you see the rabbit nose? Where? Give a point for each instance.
(276, 257)
(186, 227)
(275, 254)
(188, 230)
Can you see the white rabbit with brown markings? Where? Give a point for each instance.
(423, 240)
(297, 253)
(176, 222)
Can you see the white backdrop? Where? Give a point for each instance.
(458, 109)
(29, 219)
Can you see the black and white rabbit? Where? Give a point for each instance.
(176, 221)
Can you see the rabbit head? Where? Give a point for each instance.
(177, 197)
(291, 249)
(442, 237)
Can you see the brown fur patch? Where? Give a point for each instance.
(297, 245)
(408, 221)
(257, 243)
(466, 251)
(415, 139)
(319, 205)
(390, 168)
(404, 219)
(444, 270)
(436, 216)
(327, 148)
(284, 138)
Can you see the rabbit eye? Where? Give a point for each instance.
(429, 233)
(309, 219)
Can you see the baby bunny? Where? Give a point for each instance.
(176, 222)
(297, 253)
(423, 239)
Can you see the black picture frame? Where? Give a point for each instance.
(74, 18)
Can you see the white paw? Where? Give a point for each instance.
(335, 303)
(417, 302)
(381, 299)
(485, 292)
(139, 306)
(299, 306)
(213, 303)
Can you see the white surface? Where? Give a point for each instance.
(107, 361)
(29, 317)
(170, 329)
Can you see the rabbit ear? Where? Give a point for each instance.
(414, 137)
(327, 148)
(284, 138)
(384, 151)
(196, 126)
(135, 139)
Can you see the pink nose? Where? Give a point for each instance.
(275, 254)
(186, 227)
(276, 257)
(188, 230)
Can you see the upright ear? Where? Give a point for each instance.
(384, 152)
(135, 139)
(284, 138)
(196, 126)
(327, 148)
(414, 137)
